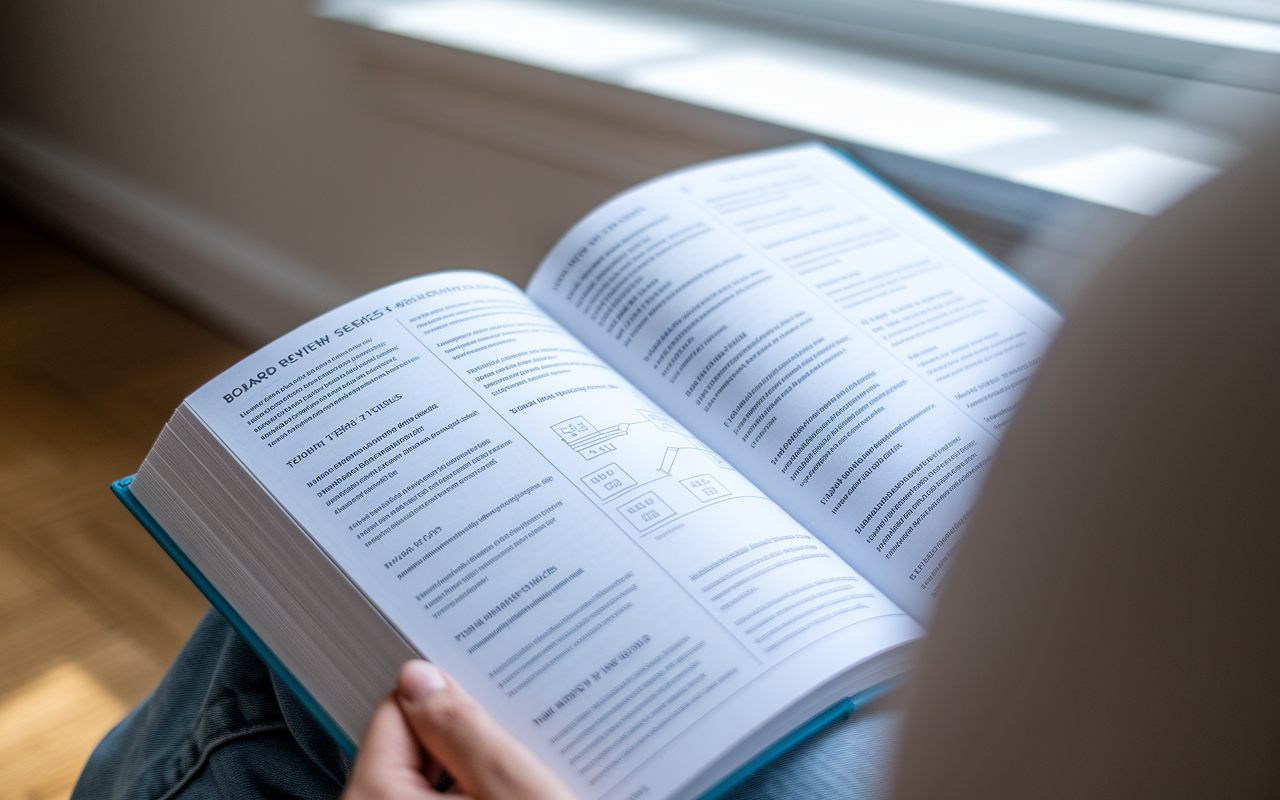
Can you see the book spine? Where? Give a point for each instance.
(121, 490)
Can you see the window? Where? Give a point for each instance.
(733, 64)
(1089, 43)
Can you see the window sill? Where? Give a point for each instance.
(622, 93)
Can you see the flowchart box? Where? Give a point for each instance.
(705, 488)
(608, 481)
(646, 511)
(574, 429)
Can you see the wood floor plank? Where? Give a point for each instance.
(91, 610)
(132, 580)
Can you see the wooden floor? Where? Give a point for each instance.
(91, 610)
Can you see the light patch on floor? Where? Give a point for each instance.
(48, 728)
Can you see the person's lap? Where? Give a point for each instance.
(222, 725)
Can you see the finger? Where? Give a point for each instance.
(390, 761)
(486, 760)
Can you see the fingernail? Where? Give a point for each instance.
(419, 679)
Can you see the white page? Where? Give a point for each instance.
(851, 357)
(589, 570)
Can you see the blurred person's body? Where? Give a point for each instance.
(1112, 626)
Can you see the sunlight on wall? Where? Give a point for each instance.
(539, 34)
(1128, 177)
(853, 107)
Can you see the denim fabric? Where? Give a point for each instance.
(220, 725)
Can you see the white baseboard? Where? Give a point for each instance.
(256, 292)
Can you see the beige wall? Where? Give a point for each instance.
(255, 115)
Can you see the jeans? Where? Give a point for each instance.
(222, 725)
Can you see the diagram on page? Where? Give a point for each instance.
(661, 458)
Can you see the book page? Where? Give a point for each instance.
(594, 574)
(853, 358)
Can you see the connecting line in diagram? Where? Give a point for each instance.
(669, 458)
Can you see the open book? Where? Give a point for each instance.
(694, 487)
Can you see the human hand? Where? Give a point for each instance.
(430, 712)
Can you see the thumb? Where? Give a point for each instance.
(390, 760)
(487, 762)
